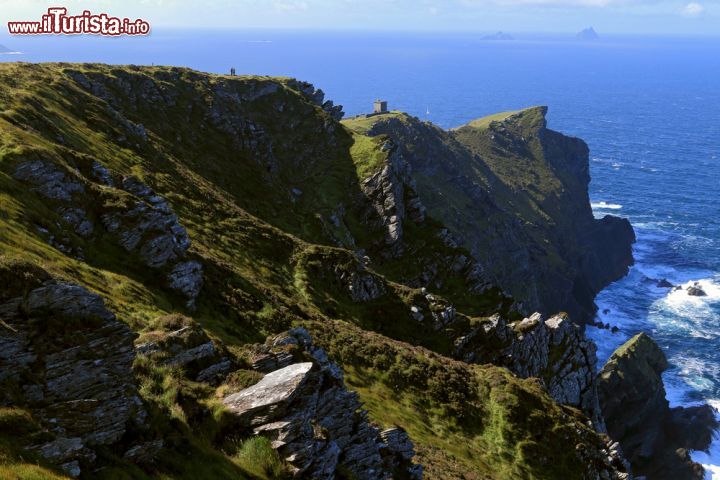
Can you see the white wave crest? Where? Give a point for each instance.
(679, 298)
(606, 206)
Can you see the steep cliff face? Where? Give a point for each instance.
(655, 438)
(515, 194)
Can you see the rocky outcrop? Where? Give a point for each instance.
(187, 347)
(313, 421)
(317, 96)
(655, 438)
(361, 285)
(147, 226)
(68, 359)
(696, 290)
(554, 350)
(393, 198)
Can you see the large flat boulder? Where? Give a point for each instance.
(270, 396)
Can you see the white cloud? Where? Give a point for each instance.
(693, 9)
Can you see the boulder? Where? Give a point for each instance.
(313, 421)
(695, 290)
(269, 398)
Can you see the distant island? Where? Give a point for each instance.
(498, 36)
(588, 34)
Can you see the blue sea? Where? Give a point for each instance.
(649, 108)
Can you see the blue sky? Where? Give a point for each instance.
(681, 17)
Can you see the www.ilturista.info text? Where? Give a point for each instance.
(58, 22)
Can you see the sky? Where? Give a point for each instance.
(675, 17)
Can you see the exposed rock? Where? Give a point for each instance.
(187, 278)
(664, 284)
(362, 285)
(314, 422)
(72, 360)
(188, 347)
(271, 395)
(695, 290)
(145, 452)
(48, 180)
(269, 361)
(317, 96)
(470, 179)
(64, 450)
(101, 174)
(554, 350)
(399, 452)
(655, 438)
(152, 229)
(153, 232)
(393, 196)
(148, 227)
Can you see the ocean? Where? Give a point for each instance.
(649, 108)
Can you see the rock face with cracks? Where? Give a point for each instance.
(145, 224)
(68, 359)
(314, 422)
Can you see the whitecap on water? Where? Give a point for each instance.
(606, 206)
(710, 460)
(680, 301)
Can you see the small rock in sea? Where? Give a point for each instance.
(606, 311)
(614, 329)
(664, 284)
(696, 290)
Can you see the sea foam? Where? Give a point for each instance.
(606, 206)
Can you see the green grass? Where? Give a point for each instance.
(17, 429)
(361, 124)
(257, 455)
(465, 420)
(485, 122)
(367, 155)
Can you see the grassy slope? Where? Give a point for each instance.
(468, 421)
(262, 248)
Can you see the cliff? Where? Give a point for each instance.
(267, 292)
(654, 437)
(515, 194)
